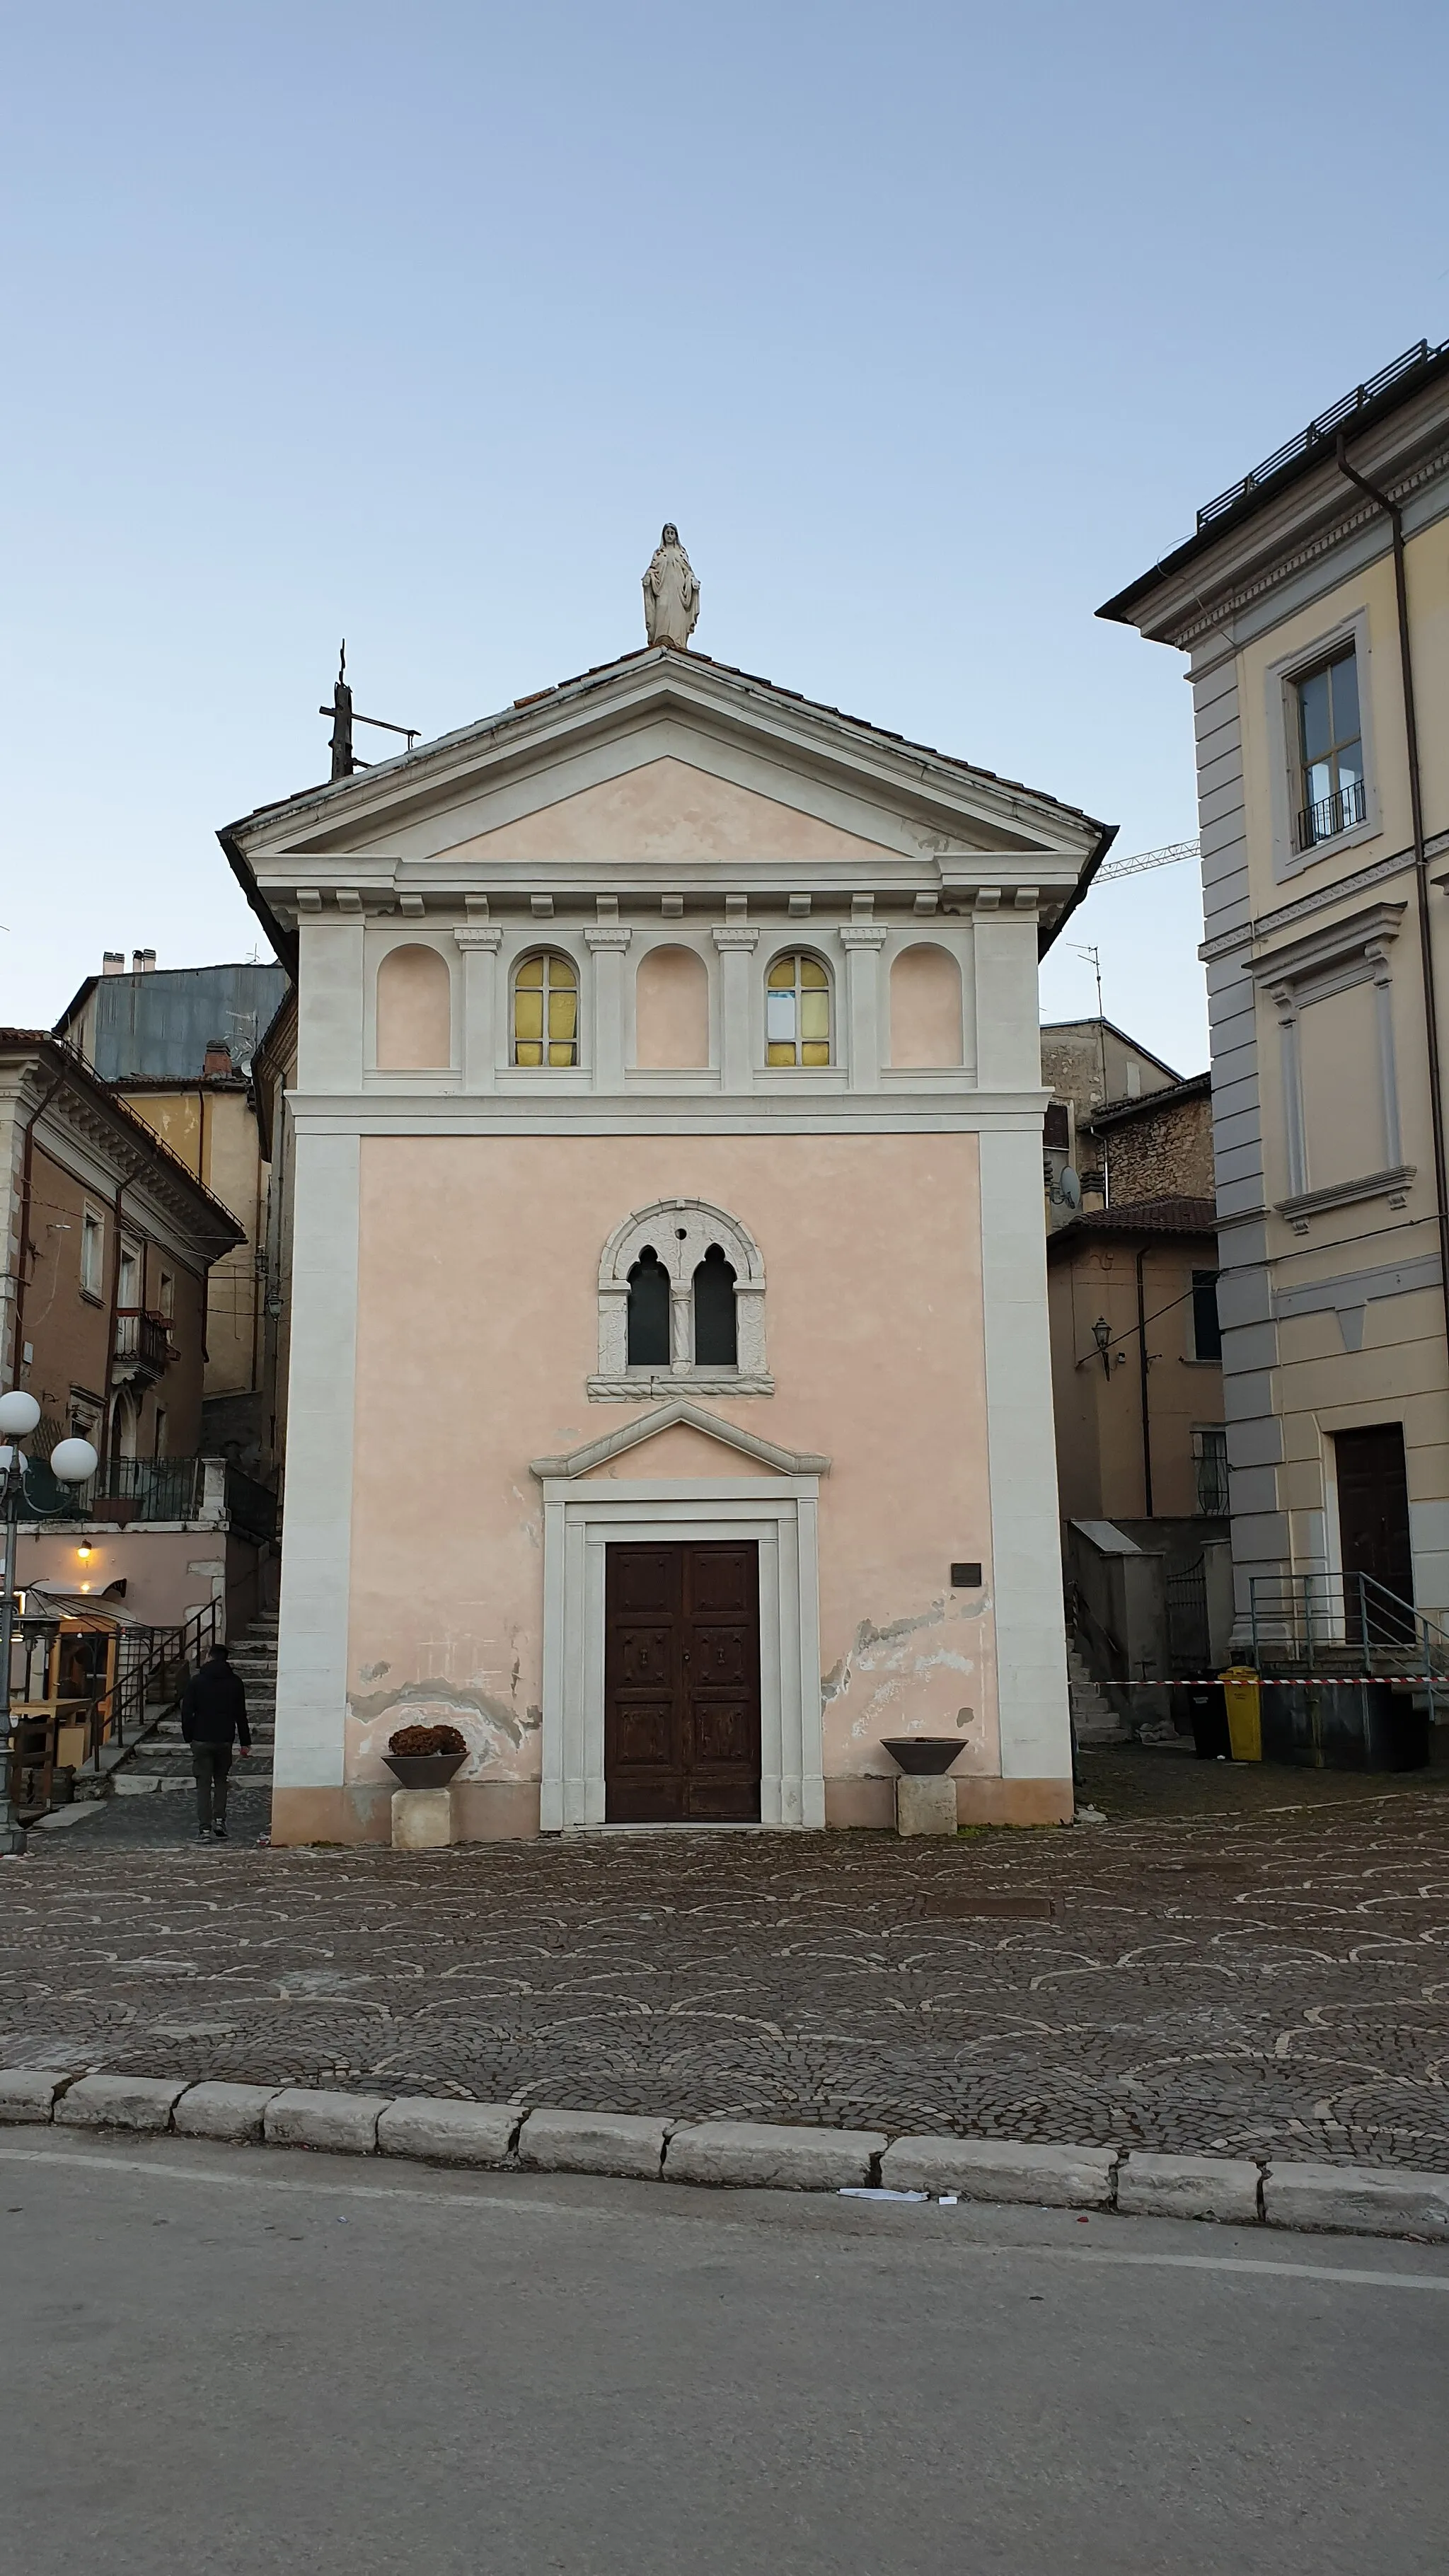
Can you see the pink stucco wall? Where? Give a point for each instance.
(478, 1326)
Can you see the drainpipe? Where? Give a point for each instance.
(111, 1393)
(1142, 1378)
(1421, 864)
(26, 1167)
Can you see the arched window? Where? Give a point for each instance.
(546, 1010)
(681, 1293)
(797, 1012)
(716, 1334)
(648, 1311)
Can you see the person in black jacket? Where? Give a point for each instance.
(213, 1712)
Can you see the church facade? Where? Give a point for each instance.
(670, 1402)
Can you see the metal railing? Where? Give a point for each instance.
(1188, 1635)
(143, 1337)
(153, 1665)
(1211, 1470)
(153, 1489)
(161, 1489)
(1341, 1623)
(1340, 812)
(1327, 424)
(250, 1505)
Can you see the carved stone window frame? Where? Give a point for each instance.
(681, 1232)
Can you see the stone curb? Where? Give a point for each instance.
(1351, 2200)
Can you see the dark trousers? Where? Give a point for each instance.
(211, 1763)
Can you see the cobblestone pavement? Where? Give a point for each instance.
(1272, 1976)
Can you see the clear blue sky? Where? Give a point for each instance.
(931, 325)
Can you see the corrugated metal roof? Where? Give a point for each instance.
(158, 1026)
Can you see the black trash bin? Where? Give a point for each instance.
(1208, 1709)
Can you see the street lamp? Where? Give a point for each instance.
(71, 1462)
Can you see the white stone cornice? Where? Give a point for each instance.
(479, 935)
(735, 934)
(607, 934)
(862, 934)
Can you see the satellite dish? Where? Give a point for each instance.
(1069, 1188)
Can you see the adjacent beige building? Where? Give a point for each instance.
(1312, 602)
(179, 1044)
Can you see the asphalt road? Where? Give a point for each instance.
(220, 2360)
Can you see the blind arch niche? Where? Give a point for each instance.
(414, 1011)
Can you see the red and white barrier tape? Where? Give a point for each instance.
(1282, 1681)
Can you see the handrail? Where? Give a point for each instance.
(125, 1704)
(1310, 1622)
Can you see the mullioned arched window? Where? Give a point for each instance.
(681, 1300)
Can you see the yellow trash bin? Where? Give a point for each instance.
(1245, 1722)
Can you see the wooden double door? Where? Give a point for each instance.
(682, 1683)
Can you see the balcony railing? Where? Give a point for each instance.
(142, 1338)
(126, 1490)
(1332, 815)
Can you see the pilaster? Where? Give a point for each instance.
(863, 942)
(736, 942)
(607, 942)
(480, 943)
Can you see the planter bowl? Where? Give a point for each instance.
(424, 1770)
(923, 1757)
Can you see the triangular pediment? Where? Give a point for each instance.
(650, 756)
(665, 809)
(648, 1427)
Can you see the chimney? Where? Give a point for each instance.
(143, 961)
(217, 1059)
(114, 962)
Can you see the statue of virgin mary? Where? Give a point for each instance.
(671, 593)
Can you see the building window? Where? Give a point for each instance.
(167, 1296)
(1207, 1333)
(1332, 796)
(716, 1332)
(797, 1012)
(128, 1280)
(1210, 1460)
(92, 1252)
(546, 1010)
(682, 1292)
(159, 1443)
(648, 1311)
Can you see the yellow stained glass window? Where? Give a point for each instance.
(797, 1012)
(546, 1010)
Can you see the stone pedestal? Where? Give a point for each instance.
(422, 1819)
(922, 1807)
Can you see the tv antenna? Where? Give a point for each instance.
(344, 759)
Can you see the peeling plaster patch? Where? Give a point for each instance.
(963, 1717)
(491, 1728)
(899, 1671)
(866, 1635)
(373, 1673)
